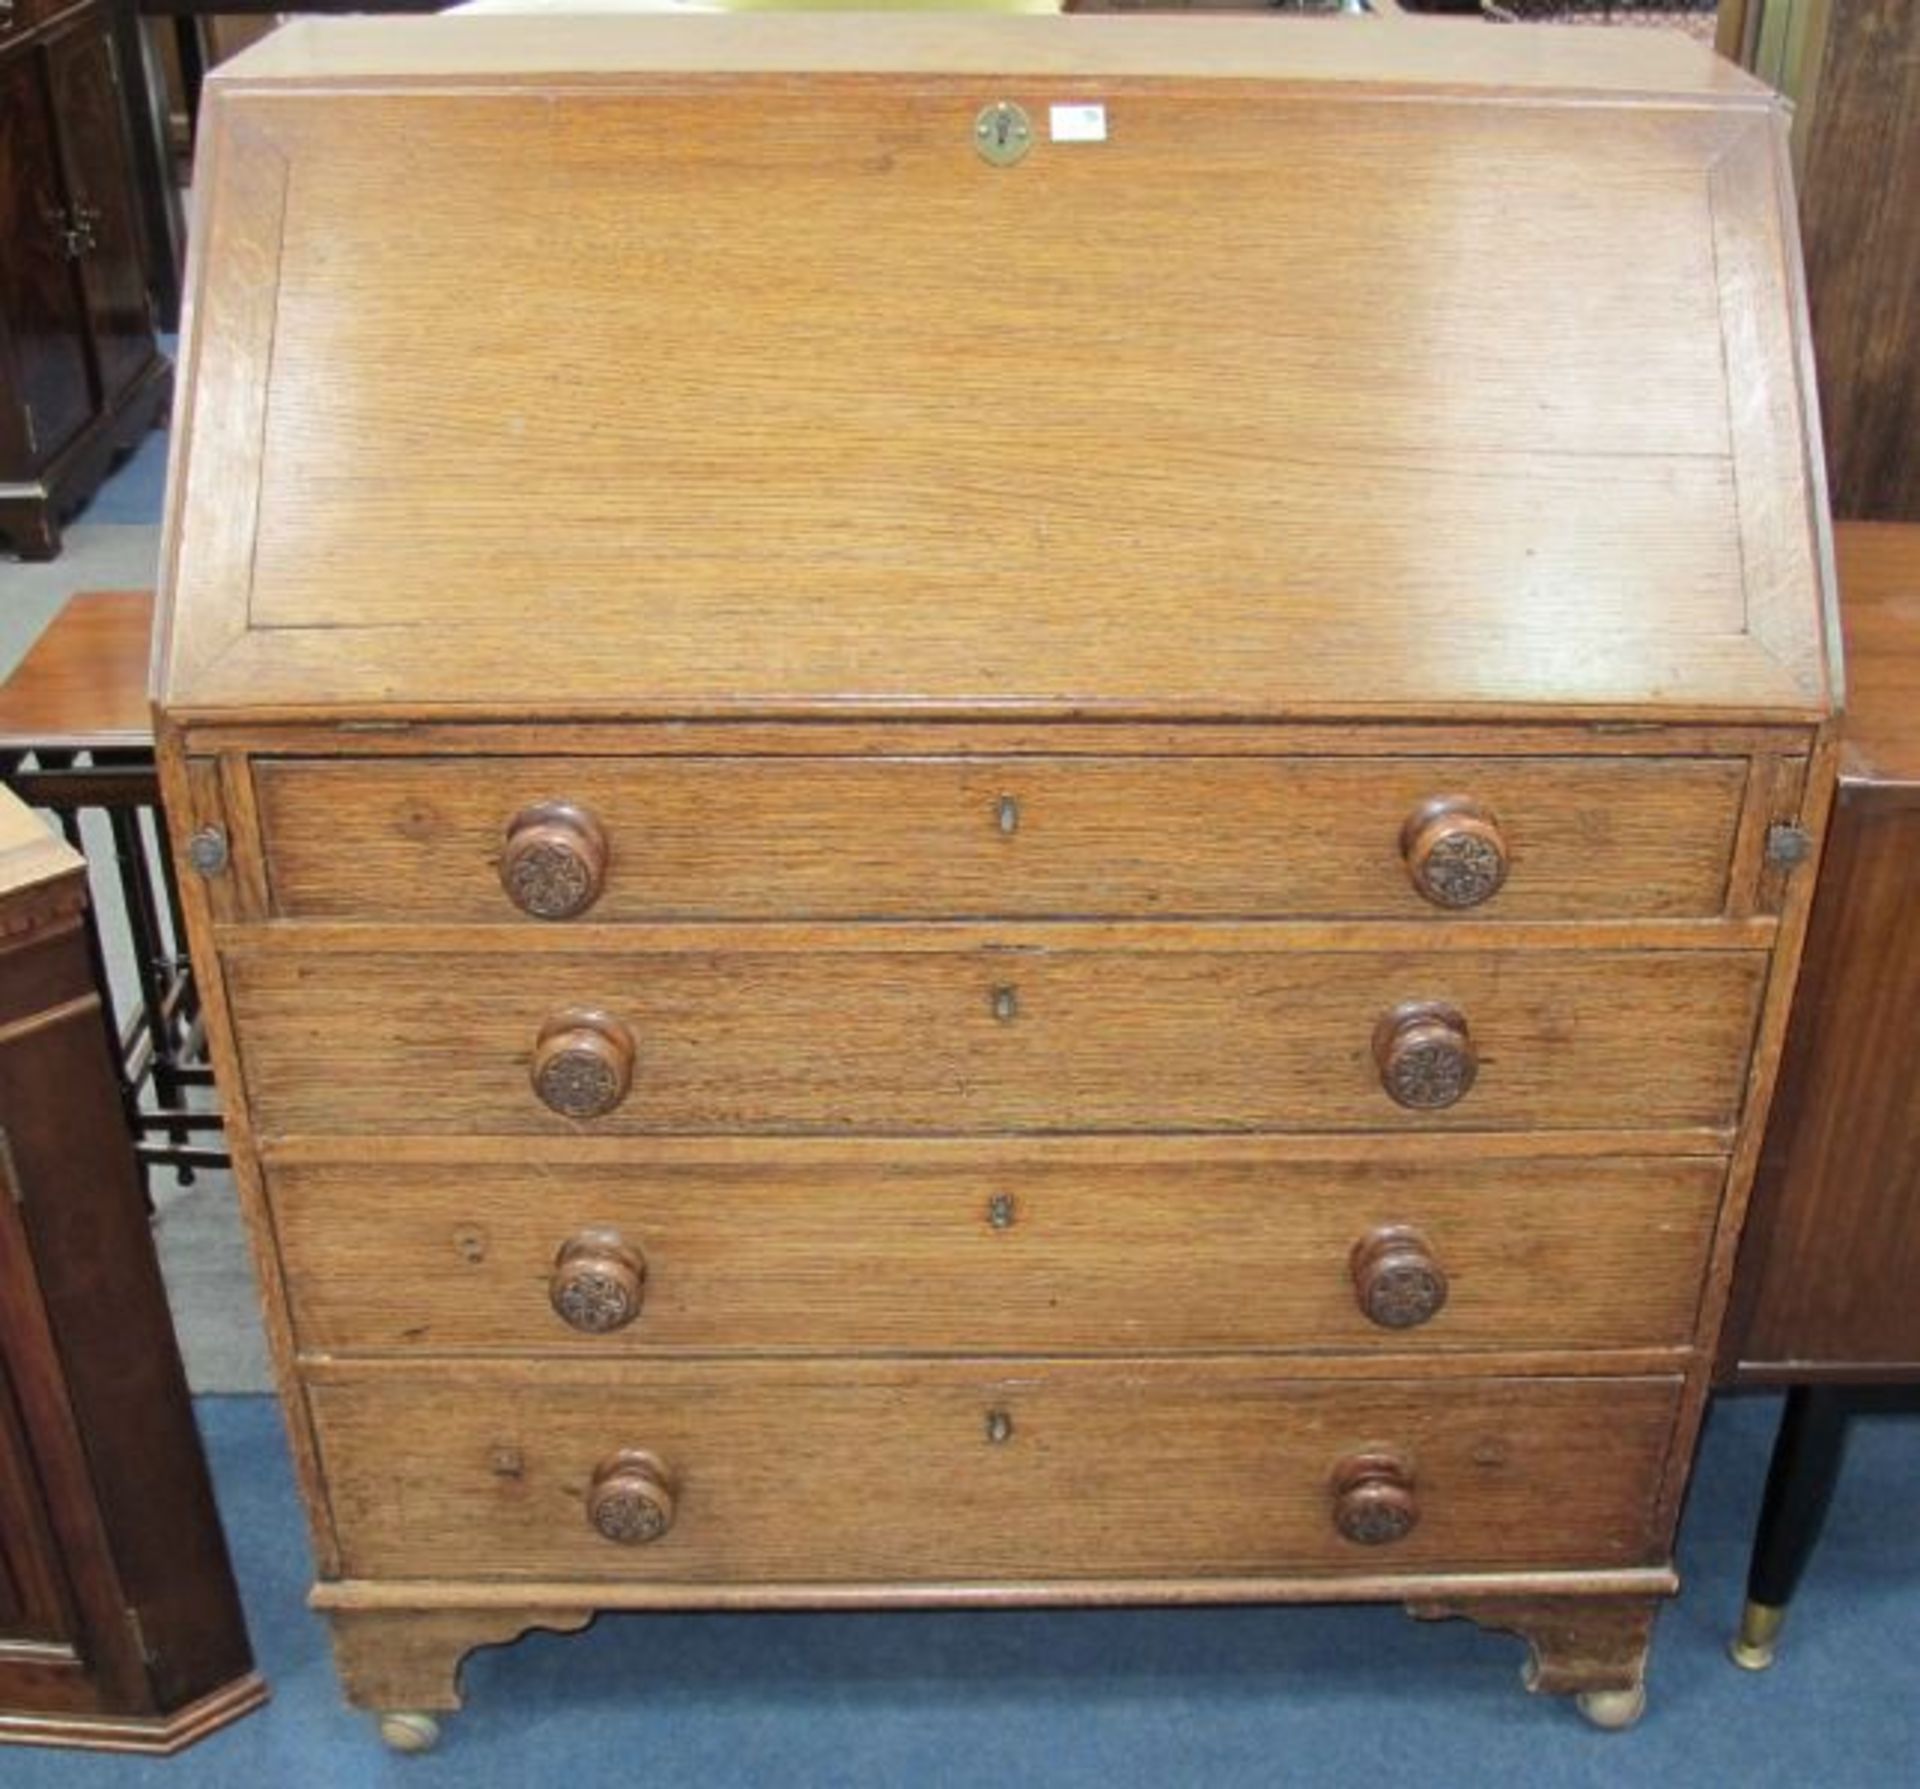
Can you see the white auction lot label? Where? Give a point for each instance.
(1077, 124)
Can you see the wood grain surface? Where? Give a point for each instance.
(1836, 1242)
(41, 876)
(883, 1470)
(1421, 53)
(412, 1661)
(1574, 1644)
(992, 626)
(1106, 510)
(1824, 1289)
(869, 1040)
(83, 682)
(746, 838)
(1880, 576)
(1860, 199)
(120, 1624)
(1015, 1256)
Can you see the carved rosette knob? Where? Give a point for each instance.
(631, 1498)
(555, 860)
(1374, 1503)
(582, 1064)
(1396, 1280)
(1425, 1056)
(597, 1282)
(1455, 852)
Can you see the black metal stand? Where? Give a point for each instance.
(158, 1040)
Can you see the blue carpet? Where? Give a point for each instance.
(132, 496)
(1106, 1699)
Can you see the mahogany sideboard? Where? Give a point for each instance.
(1824, 1300)
(120, 1627)
(948, 849)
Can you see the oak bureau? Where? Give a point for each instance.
(992, 810)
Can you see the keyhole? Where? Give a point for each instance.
(1002, 134)
(507, 1462)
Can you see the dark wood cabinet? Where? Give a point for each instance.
(120, 1625)
(51, 398)
(1832, 1254)
(36, 1620)
(1824, 1296)
(97, 165)
(81, 373)
(1852, 70)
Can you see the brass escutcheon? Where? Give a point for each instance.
(1003, 133)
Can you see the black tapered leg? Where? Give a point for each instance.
(1800, 1483)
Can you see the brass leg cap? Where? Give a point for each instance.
(1612, 1710)
(404, 1731)
(1753, 1647)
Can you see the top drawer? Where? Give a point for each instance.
(478, 839)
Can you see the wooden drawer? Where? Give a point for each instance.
(832, 1032)
(1008, 837)
(943, 1472)
(997, 1253)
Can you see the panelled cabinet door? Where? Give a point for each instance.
(35, 1611)
(85, 83)
(38, 295)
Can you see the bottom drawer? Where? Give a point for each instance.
(819, 1471)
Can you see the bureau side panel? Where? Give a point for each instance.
(1806, 801)
(211, 796)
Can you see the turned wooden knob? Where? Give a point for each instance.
(597, 1282)
(631, 1498)
(555, 860)
(1373, 1498)
(1398, 1283)
(1426, 1057)
(582, 1064)
(1455, 853)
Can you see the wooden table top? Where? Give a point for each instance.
(1879, 565)
(83, 684)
